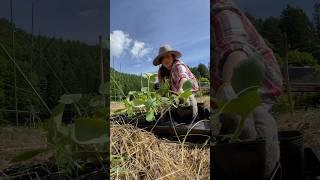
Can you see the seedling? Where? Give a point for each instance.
(247, 79)
(153, 102)
(64, 142)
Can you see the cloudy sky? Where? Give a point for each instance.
(82, 20)
(138, 28)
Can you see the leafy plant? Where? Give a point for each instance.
(247, 79)
(64, 142)
(154, 102)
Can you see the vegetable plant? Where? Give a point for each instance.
(246, 81)
(155, 102)
(66, 142)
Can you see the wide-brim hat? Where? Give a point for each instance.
(162, 51)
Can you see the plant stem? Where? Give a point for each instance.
(237, 132)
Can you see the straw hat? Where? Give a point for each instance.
(163, 50)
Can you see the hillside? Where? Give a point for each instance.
(124, 82)
(53, 65)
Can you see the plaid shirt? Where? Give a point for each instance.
(232, 31)
(180, 70)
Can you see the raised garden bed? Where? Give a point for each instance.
(197, 131)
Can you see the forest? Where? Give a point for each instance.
(302, 32)
(122, 83)
(54, 66)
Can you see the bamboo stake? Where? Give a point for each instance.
(287, 76)
(25, 77)
(14, 68)
(102, 69)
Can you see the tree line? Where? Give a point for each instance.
(53, 65)
(303, 35)
(122, 83)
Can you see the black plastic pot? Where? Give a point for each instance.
(312, 161)
(203, 112)
(241, 160)
(292, 155)
(183, 114)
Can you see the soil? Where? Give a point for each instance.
(308, 122)
(116, 105)
(16, 140)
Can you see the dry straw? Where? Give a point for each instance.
(138, 154)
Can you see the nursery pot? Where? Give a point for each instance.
(292, 155)
(240, 160)
(183, 114)
(203, 112)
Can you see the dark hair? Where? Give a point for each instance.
(163, 71)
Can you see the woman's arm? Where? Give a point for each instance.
(232, 61)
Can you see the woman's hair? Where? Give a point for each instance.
(163, 71)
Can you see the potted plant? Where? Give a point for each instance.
(156, 105)
(232, 157)
(72, 146)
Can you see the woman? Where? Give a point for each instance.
(235, 40)
(177, 73)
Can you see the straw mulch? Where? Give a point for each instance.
(137, 154)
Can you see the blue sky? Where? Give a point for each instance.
(138, 28)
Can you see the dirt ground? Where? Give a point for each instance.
(306, 121)
(116, 105)
(16, 140)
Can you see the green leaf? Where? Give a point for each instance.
(164, 88)
(130, 111)
(57, 114)
(27, 155)
(147, 75)
(119, 110)
(138, 101)
(103, 89)
(186, 94)
(95, 140)
(187, 85)
(86, 129)
(70, 98)
(245, 104)
(144, 89)
(63, 129)
(164, 99)
(153, 77)
(150, 116)
(247, 74)
(96, 101)
(150, 103)
(132, 92)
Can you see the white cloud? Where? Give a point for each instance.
(139, 50)
(119, 42)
